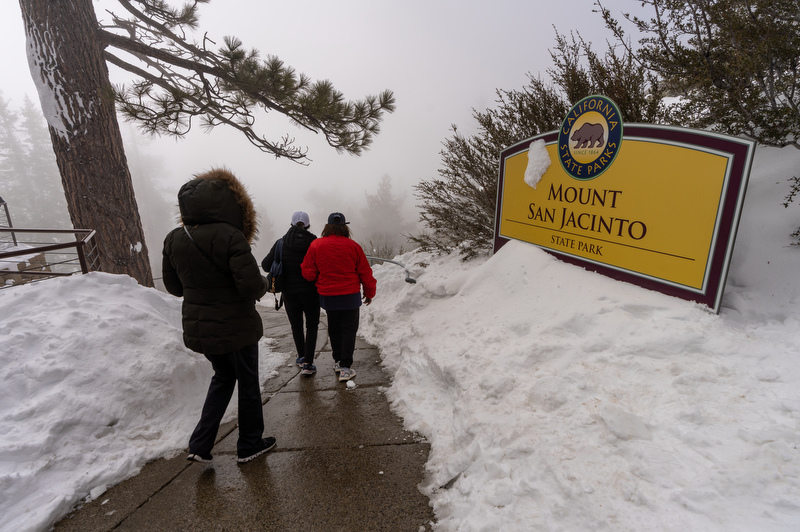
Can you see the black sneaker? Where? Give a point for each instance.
(266, 445)
(196, 457)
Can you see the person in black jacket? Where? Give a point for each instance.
(299, 296)
(208, 262)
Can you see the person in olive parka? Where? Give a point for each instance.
(300, 297)
(208, 261)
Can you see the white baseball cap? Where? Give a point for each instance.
(300, 216)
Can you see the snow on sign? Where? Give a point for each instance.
(657, 206)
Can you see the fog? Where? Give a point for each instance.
(442, 59)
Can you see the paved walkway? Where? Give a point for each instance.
(342, 463)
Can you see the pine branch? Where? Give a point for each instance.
(163, 118)
(182, 80)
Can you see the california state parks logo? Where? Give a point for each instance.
(590, 137)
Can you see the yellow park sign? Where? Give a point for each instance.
(654, 205)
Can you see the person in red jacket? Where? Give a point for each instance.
(340, 269)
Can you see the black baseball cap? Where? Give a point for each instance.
(337, 218)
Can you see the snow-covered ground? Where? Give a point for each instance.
(559, 399)
(95, 383)
(553, 398)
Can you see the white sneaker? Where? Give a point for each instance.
(336, 367)
(346, 374)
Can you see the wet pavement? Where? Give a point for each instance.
(343, 462)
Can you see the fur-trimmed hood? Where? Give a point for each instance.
(218, 196)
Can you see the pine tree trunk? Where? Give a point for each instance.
(67, 65)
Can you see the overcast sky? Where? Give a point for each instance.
(441, 59)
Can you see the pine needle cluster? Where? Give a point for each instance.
(179, 82)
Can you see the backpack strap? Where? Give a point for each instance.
(203, 253)
(278, 258)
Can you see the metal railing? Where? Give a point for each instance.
(30, 260)
(8, 219)
(409, 279)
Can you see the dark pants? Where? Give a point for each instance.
(342, 330)
(242, 366)
(297, 306)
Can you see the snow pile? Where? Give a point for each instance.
(96, 382)
(559, 399)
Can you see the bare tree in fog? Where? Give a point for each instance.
(319, 203)
(377, 221)
(29, 180)
(12, 163)
(383, 223)
(45, 193)
(177, 81)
